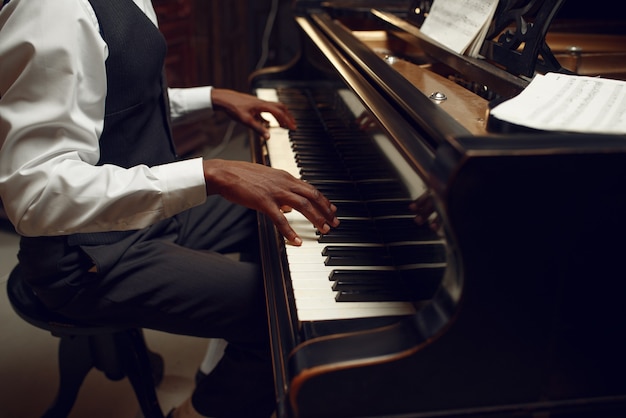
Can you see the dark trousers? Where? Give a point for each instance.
(174, 277)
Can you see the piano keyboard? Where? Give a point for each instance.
(339, 275)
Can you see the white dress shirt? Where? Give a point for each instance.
(52, 97)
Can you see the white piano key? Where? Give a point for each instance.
(271, 96)
(318, 302)
(331, 313)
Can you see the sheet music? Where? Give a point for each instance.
(460, 25)
(571, 103)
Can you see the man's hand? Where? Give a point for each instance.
(247, 109)
(267, 190)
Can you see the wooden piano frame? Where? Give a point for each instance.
(528, 320)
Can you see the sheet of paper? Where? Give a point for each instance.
(460, 25)
(570, 103)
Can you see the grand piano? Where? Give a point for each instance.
(515, 306)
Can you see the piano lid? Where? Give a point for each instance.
(527, 37)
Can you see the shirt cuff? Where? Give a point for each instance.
(183, 185)
(189, 99)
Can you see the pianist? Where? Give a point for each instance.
(117, 230)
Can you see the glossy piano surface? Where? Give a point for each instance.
(515, 309)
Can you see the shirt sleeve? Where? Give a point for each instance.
(52, 96)
(187, 100)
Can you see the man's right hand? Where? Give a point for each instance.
(268, 190)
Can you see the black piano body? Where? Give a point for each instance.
(527, 317)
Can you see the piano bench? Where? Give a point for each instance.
(117, 352)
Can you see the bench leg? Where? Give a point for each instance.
(75, 362)
(138, 366)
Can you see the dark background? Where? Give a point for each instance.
(220, 43)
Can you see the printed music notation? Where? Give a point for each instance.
(460, 25)
(568, 103)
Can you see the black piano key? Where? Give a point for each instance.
(389, 207)
(388, 226)
(379, 295)
(380, 259)
(322, 174)
(387, 223)
(305, 160)
(362, 188)
(418, 253)
(326, 149)
(355, 162)
(348, 174)
(386, 285)
(350, 286)
(350, 239)
(369, 231)
(376, 208)
(352, 209)
(310, 177)
(377, 260)
(319, 162)
(351, 225)
(383, 184)
(396, 255)
(357, 192)
(351, 250)
(334, 192)
(401, 292)
(414, 233)
(421, 275)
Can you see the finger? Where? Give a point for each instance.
(423, 204)
(260, 119)
(261, 127)
(285, 229)
(320, 211)
(282, 115)
(287, 121)
(315, 207)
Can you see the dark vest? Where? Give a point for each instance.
(136, 126)
(136, 122)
